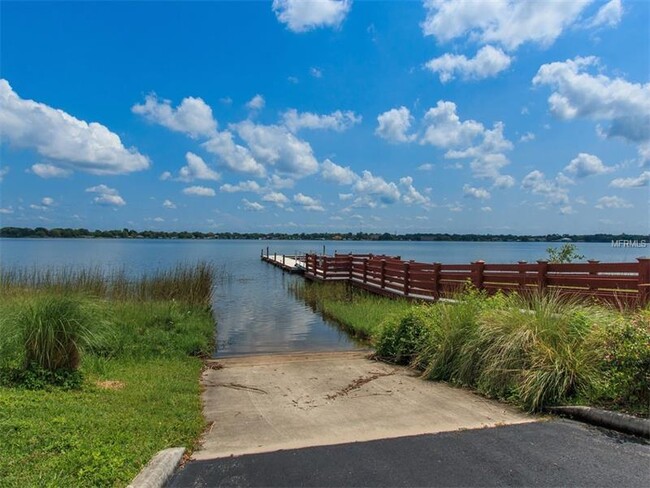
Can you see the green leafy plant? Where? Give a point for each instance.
(566, 253)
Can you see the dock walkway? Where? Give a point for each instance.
(291, 264)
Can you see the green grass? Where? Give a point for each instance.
(138, 390)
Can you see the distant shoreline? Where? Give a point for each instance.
(81, 233)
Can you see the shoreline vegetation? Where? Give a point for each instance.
(534, 352)
(639, 240)
(99, 372)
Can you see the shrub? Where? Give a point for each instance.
(401, 338)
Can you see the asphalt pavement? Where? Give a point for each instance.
(551, 453)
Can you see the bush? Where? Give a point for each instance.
(625, 362)
(400, 339)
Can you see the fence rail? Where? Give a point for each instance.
(625, 284)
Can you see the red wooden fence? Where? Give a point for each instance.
(619, 283)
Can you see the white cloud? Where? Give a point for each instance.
(613, 202)
(394, 125)
(551, 190)
(411, 196)
(256, 103)
(486, 209)
(252, 206)
(46, 170)
(527, 137)
(376, 186)
(474, 192)
(199, 191)
(316, 72)
(642, 180)
(158, 219)
(192, 117)
(344, 197)
(47, 201)
(302, 16)
(55, 134)
(579, 94)
(567, 210)
(338, 174)
(308, 203)
(608, 15)
(444, 128)
(233, 156)
(165, 175)
(276, 198)
(337, 121)
(3, 172)
(196, 169)
(506, 22)
(280, 183)
(6, 210)
(248, 185)
(169, 204)
(586, 165)
(278, 147)
(106, 196)
(426, 167)
(489, 61)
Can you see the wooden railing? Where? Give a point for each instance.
(619, 283)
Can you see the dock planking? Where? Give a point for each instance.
(290, 264)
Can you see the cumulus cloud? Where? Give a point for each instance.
(234, 156)
(587, 165)
(609, 15)
(338, 174)
(488, 62)
(426, 167)
(199, 191)
(169, 204)
(252, 206)
(316, 72)
(486, 209)
(394, 125)
(527, 137)
(613, 202)
(106, 196)
(337, 121)
(256, 103)
(301, 16)
(474, 192)
(196, 169)
(277, 147)
(6, 210)
(640, 181)
(279, 183)
(308, 203)
(277, 198)
(410, 195)
(580, 94)
(192, 117)
(55, 134)
(248, 185)
(552, 190)
(46, 170)
(509, 23)
(376, 186)
(47, 201)
(444, 128)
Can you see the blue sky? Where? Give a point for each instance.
(301, 116)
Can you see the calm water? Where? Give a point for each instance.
(254, 311)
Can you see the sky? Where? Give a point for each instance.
(499, 116)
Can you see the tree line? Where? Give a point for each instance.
(40, 232)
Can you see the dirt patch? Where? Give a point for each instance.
(356, 384)
(110, 385)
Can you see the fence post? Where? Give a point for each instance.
(351, 265)
(522, 276)
(407, 277)
(383, 273)
(477, 274)
(592, 273)
(542, 269)
(644, 281)
(365, 270)
(262, 253)
(275, 256)
(324, 267)
(267, 251)
(436, 280)
(283, 256)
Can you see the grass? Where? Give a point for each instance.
(138, 390)
(534, 351)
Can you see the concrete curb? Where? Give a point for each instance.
(604, 418)
(158, 471)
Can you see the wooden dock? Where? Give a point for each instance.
(290, 264)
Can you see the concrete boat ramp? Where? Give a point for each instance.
(257, 404)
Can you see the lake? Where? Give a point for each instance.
(254, 310)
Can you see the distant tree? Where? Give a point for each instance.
(567, 253)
